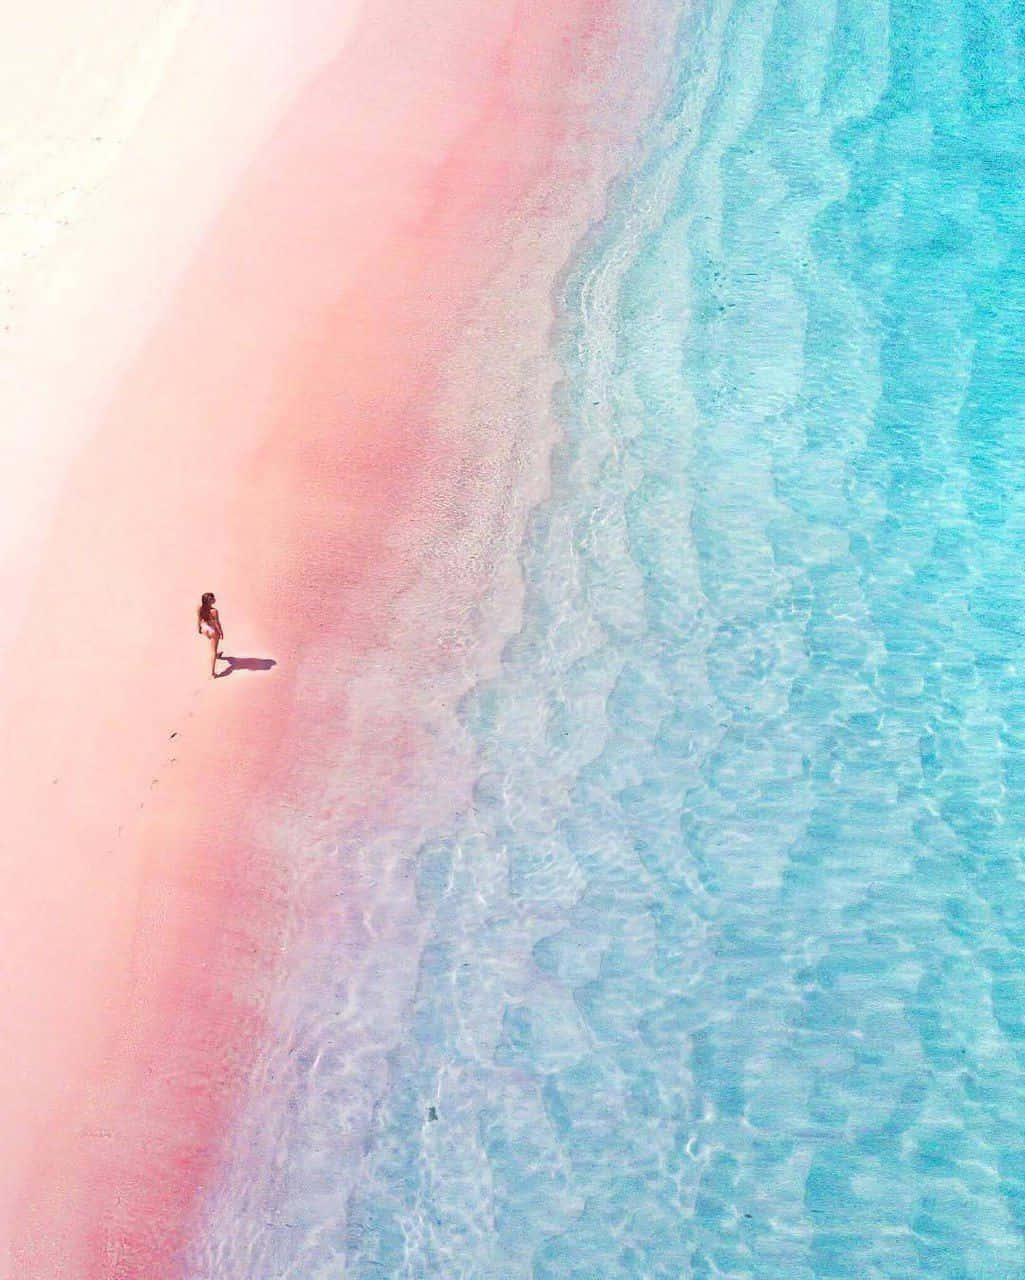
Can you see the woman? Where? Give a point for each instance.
(210, 626)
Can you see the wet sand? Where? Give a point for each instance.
(277, 420)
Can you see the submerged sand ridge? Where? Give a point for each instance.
(286, 436)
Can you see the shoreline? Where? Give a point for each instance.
(507, 399)
(172, 981)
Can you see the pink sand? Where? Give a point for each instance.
(276, 438)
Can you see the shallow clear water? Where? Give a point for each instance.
(725, 974)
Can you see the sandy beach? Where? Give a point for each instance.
(228, 377)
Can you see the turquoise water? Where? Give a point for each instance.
(725, 971)
(726, 975)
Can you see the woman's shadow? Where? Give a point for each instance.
(244, 664)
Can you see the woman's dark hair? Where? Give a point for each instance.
(208, 599)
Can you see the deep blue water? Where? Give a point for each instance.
(726, 973)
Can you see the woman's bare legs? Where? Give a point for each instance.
(214, 642)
